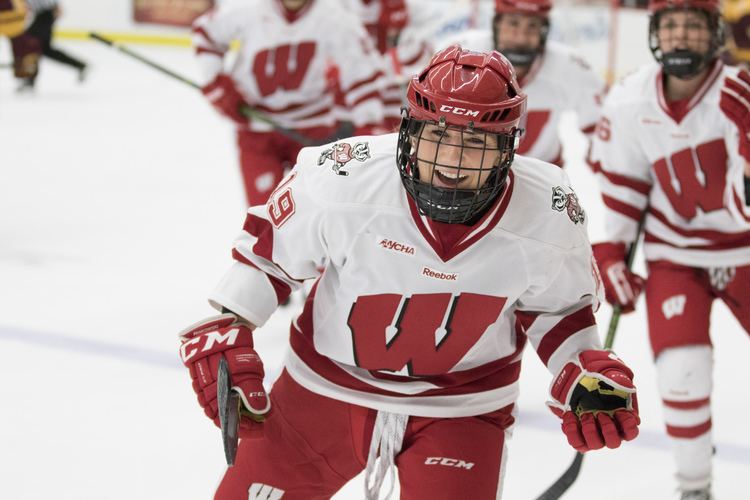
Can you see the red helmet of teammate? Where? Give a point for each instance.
(471, 93)
(532, 7)
(707, 5)
(685, 63)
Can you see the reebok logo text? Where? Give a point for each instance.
(426, 271)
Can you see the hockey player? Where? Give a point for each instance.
(286, 48)
(384, 20)
(555, 78)
(441, 261)
(399, 38)
(36, 41)
(673, 143)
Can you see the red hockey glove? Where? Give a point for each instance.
(204, 344)
(735, 103)
(225, 97)
(621, 286)
(393, 14)
(595, 398)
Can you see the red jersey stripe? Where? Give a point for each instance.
(563, 330)
(622, 208)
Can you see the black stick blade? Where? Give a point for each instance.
(229, 412)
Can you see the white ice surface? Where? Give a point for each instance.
(119, 199)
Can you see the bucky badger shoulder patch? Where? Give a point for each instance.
(562, 201)
(342, 153)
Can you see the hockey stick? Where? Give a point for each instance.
(566, 480)
(247, 111)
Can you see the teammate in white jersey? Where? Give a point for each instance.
(286, 49)
(440, 262)
(554, 76)
(673, 144)
(394, 26)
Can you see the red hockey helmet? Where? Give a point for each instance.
(707, 5)
(467, 94)
(532, 7)
(465, 88)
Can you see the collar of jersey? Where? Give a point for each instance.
(474, 233)
(292, 15)
(677, 114)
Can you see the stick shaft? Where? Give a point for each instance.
(245, 110)
(144, 60)
(561, 485)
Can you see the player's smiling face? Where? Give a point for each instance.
(683, 29)
(454, 158)
(519, 31)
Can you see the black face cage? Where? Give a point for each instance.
(715, 25)
(532, 54)
(453, 205)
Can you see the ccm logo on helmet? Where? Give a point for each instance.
(458, 111)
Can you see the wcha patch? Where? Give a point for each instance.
(342, 153)
(568, 201)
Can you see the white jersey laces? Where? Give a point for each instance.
(387, 437)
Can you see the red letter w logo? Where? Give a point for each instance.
(709, 193)
(284, 67)
(427, 333)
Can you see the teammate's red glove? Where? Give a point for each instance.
(393, 14)
(621, 286)
(225, 97)
(595, 398)
(203, 345)
(735, 103)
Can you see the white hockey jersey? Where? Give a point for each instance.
(559, 80)
(686, 169)
(284, 60)
(395, 321)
